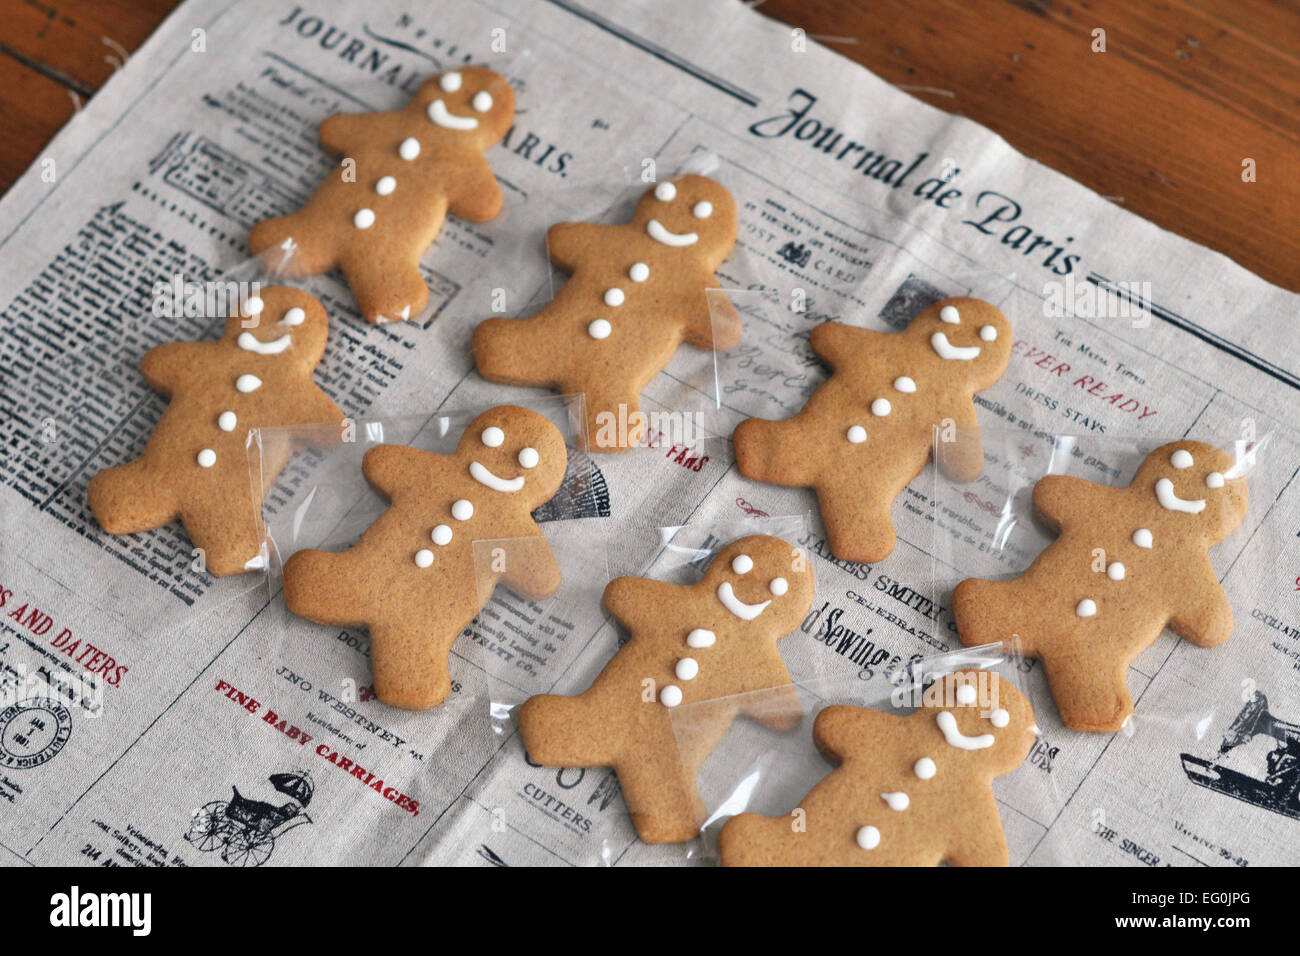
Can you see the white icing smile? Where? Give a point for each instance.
(746, 612)
(440, 115)
(1171, 502)
(485, 477)
(939, 342)
(948, 724)
(249, 343)
(658, 233)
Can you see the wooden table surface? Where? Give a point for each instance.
(1162, 121)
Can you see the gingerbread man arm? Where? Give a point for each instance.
(1060, 499)
(836, 342)
(841, 729)
(339, 131)
(980, 841)
(961, 459)
(640, 603)
(165, 366)
(475, 194)
(393, 468)
(1204, 616)
(531, 569)
(567, 242)
(712, 322)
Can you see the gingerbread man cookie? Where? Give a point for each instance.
(870, 428)
(703, 642)
(402, 171)
(196, 464)
(417, 577)
(637, 292)
(909, 791)
(1128, 563)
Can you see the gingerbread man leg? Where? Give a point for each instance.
(391, 287)
(1088, 697)
(414, 680)
(230, 534)
(659, 791)
(857, 519)
(119, 507)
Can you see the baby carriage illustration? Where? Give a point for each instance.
(245, 830)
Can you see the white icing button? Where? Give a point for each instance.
(702, 210)
(423, 558)
(742, 564)
(639, 272)
(294, 316)
(599, 329)
(1181, 459)
(868, 837)
(462, 510)
(665, 192)
(924, 768)
(1086, 608)
(450, 82)
(779, 586)
(385, 185)
(409, 149)
(207, 458)
(989, 333)
(248, 383)
(492, 436)
(881, 407)
(670, 696)
(897, 801)
(482, 101)
(950, 315)
(614, 297)
(857, 435)
(529, 457)
(687, 668)
(442, 535)
(999, 718)
(1142, 538)
(253, 305)
(966, 694)
(904, 384)
(364, 219)
(1214, 480)
(226, 421)
(700, 637)
(1115, 571)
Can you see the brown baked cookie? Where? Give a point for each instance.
(417, 577)
(401, 172)
(1129, 562)
(637, 292)
(702, 642)
(870, 428)
(196, 464)
(909, 791)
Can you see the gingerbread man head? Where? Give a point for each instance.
(985, 723)
(761, 579)
(1196, 486)
(467, 108)
(966, 341)
(514, 451)
(692, 213)
(287, 328)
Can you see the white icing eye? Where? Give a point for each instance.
(493, 437)
(409, 149)
(1086, 608)
(856, 435)
(364, 219)
(294, 316)
(423, 558)
(528, 457)
(1214, 480)
(665, 192)
(207, 458)
(881, 407)
(742, 564)
(950, 315)
(385, 185)
(253, 305)
(966, 694)
(599, 329)
(868, 837)
(702, 210)
(450, 82)
(905, 384)
(999, 718)
(989, 333)
(639, 272)
(442, 535)
(482, 101)
(462, 510)
(778, 586)
(614, 297)
(1181, 459)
